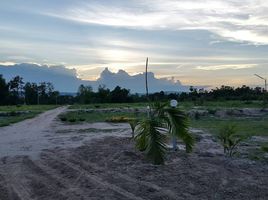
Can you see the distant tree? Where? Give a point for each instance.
(119, 95)
(103, 95)
(85, 94)
(31, 90)
(16, 90)
(3, 90)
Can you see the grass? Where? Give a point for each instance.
(33, 111)
(96, 116)
(108, 105)
(38, 108)
(187, 105)
(245, 126)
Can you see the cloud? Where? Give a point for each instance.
(229, 66)
(67, 80)
(243, 21)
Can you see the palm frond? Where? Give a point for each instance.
(151, 140)
(178, 124)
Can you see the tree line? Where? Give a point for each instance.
(17, 92)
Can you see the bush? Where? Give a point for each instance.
(82, 119)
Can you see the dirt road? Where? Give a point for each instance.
(45, 131)
(27, 137)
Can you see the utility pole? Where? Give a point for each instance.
(265, 81)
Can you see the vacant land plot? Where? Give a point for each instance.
(111, 168)
(44, 158)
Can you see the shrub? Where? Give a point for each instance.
(82, 119)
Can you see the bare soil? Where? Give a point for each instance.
(90, 161)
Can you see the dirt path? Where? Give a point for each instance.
(27, 137)
(45, 131)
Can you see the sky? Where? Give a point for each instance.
(205, 42)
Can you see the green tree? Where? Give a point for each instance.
(85, 94)
(3, 90)
(16, 90)
(30, 90)
(119, 95)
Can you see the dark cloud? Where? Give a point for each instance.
(65, 80)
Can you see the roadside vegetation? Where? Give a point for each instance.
(13, 114)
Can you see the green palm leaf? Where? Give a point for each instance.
(151, 133)
(178, 124)
(151, 140)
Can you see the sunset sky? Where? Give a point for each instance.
(205, 42)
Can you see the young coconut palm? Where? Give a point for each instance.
(152, 132)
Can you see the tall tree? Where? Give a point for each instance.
(16, 90)
(3, 90)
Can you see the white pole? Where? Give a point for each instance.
(173, 104)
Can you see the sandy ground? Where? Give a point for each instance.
(42, 158)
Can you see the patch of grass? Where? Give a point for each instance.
(94, 130)
(264, 147)
(15, 117)
(5, 121)
(119, 119)
(39, 108)
(212, 106)
(245, 126)
(108, 105)
(99, 116)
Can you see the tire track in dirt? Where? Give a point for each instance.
(128, 180)
(28, 181)
(123, 182)
(82, 174)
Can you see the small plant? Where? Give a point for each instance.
(229, 139)
(133, 123)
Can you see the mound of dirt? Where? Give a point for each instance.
(111, 168)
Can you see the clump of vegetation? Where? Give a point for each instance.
(230, 139)
(264, 148)
(212, 111)
(72, 120)
(82, 119)
(118, 119)
(64, 119)
(133, 123)
(152, 132)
